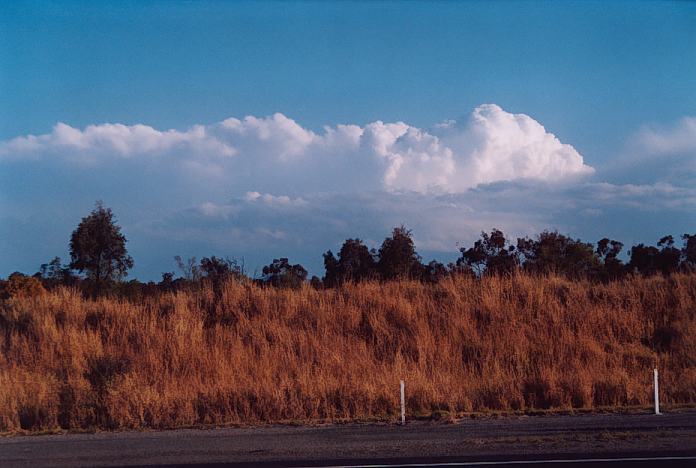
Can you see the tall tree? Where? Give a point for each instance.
(689, 252)
(491, 254)
(668, 260)
(643, 259)
(282, 274)
(649, 260)
(552, 252)
(611, 265)
(355, 262)
(331, 277)
(397, 256)
(98, 248)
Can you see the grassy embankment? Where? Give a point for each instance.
(255, 354)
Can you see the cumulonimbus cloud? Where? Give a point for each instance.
(491, 145)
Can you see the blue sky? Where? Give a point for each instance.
(606, 144)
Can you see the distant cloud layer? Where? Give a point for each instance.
(664, 153)
(261, 187)
(679, 138)
(492, 145)
(439, 220)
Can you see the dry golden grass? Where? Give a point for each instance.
(259, 354)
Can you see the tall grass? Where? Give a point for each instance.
(247, 354)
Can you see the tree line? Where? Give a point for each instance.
(99, 262)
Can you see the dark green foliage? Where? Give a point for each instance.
(98, 248)
(355, 263)
(316, 282)
(397, 256)
(670, 256)
(211, 270)
(282, 274)
(649, 260)
(611, 267)
(644, 259)
(491, 254)
(434, 272)
(331, 268)
(689, 252)
(54, 273)
(167, 284)
(552, 252)
(218, 269)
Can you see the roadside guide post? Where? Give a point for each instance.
(657, 392)
(403, 405)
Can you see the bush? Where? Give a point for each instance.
(19, 285)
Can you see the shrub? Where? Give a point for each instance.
(19, 285)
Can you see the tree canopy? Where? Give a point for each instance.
(98, 248)
(492, 254)
(282, 274)
(552, 252)
(398, 258)
(355, 262)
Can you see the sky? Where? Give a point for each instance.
(257, 130)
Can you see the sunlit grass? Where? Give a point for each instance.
(252, 354)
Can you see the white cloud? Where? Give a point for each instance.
(270, 199)
(664, 154)
(492, 145)
(276, 135)
(679, 138)
(267, 187)
(116, 139)
(279, 154)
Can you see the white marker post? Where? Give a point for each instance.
(657, 393)
(403, 405)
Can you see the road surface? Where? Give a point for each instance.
(642, 440)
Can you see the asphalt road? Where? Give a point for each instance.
(642, 440)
